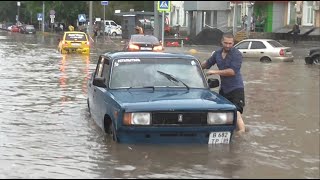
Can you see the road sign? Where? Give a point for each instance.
(82, 18)
(164, 6)
(39, 16)
(104, 3)
(52, 16)
(52, 20)
(52, 12)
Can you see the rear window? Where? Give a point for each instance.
(145, 39)
(29, 27)
(75, 37)
(275, 44)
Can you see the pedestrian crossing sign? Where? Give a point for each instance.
(164, 6)
(82, 17)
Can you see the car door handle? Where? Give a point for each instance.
(244, 52)
(261, 52)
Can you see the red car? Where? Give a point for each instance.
(14, 28)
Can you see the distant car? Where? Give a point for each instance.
(264, 50)
(141, 42)
(28, 29)
(14, 28)
(313, 56)
(155, 97)
(112, 28)
(74, 42)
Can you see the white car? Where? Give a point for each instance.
(264, 50)
(112, 28)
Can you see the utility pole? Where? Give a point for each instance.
(43, 16)
(156, 20)
(90, 18)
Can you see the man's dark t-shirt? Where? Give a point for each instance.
(232, 60)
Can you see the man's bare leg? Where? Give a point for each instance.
(240, 123)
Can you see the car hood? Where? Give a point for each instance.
(150, 100)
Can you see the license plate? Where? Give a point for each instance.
(75, 44)
(146, 48)
(219, 137)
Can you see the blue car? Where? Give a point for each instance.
(156, 97)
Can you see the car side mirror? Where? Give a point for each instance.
(213, 83)
(99, 82)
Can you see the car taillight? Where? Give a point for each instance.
(133, 47)
(282, 52)
(157, 48)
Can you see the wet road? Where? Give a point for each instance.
(46, 131)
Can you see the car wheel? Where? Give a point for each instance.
(110, 130)
(316, 59)
(265, 59)
(114, 34)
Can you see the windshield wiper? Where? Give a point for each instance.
(172, 78)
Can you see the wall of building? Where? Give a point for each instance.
(279, 9)
(205, 5)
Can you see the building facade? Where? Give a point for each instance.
(270, 16)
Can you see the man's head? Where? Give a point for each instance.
(227, 41)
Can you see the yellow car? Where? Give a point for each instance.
(74, 42)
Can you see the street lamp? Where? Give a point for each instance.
(18, 4)
(250, 5)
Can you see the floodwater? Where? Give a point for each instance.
(46, 131)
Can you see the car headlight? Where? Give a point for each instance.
(220, 118)
(137, 118)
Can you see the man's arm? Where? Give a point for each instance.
(209, 62)
(225, 72)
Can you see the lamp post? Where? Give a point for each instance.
(250, 5)
(18, 4)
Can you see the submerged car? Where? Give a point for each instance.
(142, 42)
(313, 57)
(154, 97)
(74, 42)
(264, 50)
(28, 29)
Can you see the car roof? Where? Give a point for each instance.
(74, 32)
(258, 40)
(125, 54)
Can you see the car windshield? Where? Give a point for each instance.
(75, 37)
(137, 73)
(144, 39)
(275, 44)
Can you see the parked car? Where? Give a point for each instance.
(74, 42)
(264, 50)
(155, 97)
(142, 42)
(28, 29)
(112, 28)
(313, 56)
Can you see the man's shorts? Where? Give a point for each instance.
(236, 97)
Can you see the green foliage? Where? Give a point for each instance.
(67, 11)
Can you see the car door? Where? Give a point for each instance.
(95, 99)
(257, 50)
(243, 47)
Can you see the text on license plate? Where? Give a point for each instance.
(146, 48)
(219, 137)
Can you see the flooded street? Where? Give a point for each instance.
(46, 130)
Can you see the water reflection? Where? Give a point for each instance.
(67, 63)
